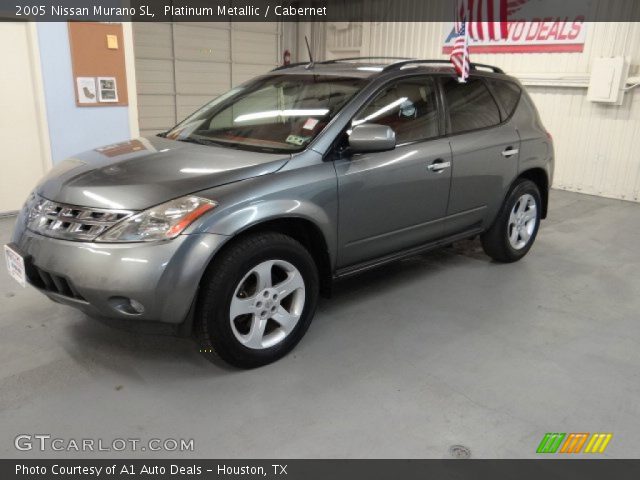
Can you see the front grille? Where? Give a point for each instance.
(70, 222)
(50, 282)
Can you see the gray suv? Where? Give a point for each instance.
(231, 224)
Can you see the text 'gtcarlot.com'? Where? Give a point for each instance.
(45, 442)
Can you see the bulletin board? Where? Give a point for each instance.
(97, 53)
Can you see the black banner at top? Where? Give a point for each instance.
(320, 469)
(306, 10)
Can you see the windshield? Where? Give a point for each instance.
(278, 113)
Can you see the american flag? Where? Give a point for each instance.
(460, 53)
(486, 19)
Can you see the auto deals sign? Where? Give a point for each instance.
(529, 33)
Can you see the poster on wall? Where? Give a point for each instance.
(86, 90)
(107, 89)
(534, 35)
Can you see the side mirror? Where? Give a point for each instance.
(371, 137)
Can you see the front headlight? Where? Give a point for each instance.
(161, 222)
(29, 202)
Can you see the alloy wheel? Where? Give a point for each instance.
(267, 304)
(522, 221)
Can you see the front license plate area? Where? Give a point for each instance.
(15, 265)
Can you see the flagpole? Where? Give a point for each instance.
(466, 42)
(462, 78)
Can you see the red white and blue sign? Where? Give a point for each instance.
(525, 33)
(544, 36)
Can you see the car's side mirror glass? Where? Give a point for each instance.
(371, 137)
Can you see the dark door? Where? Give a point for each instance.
(394, 200)
(485, 153)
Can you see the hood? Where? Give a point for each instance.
(144, 172)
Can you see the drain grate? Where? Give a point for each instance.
(459, 452)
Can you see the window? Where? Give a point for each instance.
(409, 107)
(276, 113)
(470, 104)
(508, 94)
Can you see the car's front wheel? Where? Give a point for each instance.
(515, 229)
(257, 300)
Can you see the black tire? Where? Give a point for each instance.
(495, 241)
(218, 287)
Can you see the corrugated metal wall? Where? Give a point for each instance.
(181, 66)
(596, 144)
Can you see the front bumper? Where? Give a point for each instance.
(98, 277)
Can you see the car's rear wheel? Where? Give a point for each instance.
(257, 300)
(511, 236)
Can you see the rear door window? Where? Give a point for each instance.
(471, 106)
(508, 94)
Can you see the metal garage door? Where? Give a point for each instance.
(180, 66)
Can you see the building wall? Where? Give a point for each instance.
(595, 151)
(23, 131)
(73, 129)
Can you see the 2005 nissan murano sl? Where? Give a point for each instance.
(229, 225)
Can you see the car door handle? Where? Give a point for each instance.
(510, 152)
(438, 166)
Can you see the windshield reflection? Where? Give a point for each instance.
(276, 113)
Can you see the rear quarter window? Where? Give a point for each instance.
(508, 94)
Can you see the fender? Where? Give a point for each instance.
(308, 193)
(253, 215)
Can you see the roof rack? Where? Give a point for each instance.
(337, 60)
(350, 59)
(493, 68)
(474, 66)
(402, 62)
(291, 65)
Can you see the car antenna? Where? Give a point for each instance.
(311, 63)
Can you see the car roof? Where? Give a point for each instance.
(346, 69)
(367, 69)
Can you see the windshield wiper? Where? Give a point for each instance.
(203, 141)
(195, 140)
(206, 141)
(234, 145)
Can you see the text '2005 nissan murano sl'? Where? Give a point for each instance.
(229, 225)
